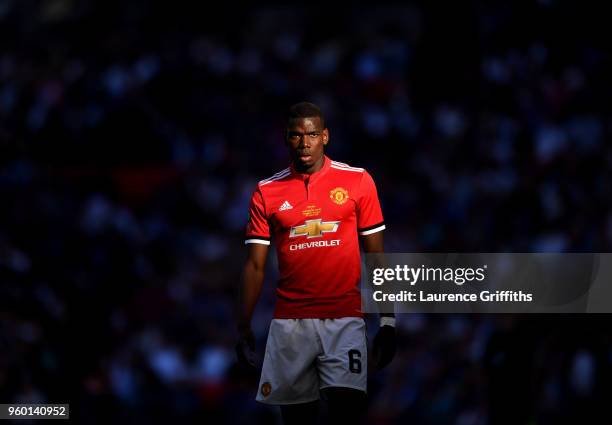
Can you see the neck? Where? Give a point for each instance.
(312, 169)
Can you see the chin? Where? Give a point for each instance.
(305, 164)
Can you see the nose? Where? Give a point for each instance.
(304, 142)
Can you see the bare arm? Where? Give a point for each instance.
(252, 281)
(385, 345)
(373, 243)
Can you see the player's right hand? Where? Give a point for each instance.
(245, 348)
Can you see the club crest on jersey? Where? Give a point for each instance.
(339, 195)
(266, 389)
(314, 228)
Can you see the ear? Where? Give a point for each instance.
(325, 135)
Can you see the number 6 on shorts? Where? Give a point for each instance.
(354, 361)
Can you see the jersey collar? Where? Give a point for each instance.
(316, 175)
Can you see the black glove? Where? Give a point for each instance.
(384, 346)
(245, 348)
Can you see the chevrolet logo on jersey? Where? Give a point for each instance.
(314, 228)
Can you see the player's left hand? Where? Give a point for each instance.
(245, 348)
(384, 346)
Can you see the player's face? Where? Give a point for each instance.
(306, 139)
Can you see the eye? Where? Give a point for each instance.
(314, 134)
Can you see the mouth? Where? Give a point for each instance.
(304, 156)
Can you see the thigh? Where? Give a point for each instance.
(345, 405)
(300, 414)
(289, 373)
(344, 360)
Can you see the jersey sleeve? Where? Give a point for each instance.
(369, 214)
(258, 228)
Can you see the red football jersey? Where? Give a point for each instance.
(315, 219)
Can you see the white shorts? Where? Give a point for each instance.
(306, 355)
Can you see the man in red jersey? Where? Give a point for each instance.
(317, 210)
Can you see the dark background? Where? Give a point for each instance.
(132, 134)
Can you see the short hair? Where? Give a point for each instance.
(305, 110)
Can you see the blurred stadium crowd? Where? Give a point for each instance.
(133, 133)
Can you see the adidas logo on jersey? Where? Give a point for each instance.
(286, 206)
